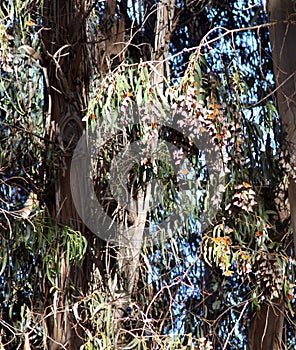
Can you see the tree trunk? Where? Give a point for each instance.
(68, 71)
(163, 30)
(282, 34)
(267, 324)
(66, 96)
(267, 327)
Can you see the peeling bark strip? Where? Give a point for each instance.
(282, 34)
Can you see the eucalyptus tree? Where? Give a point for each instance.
(80, 43)
(112, 237)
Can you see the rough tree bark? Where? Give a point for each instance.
(66, 99)
(267, 325)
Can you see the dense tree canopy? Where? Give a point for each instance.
(144, 176)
